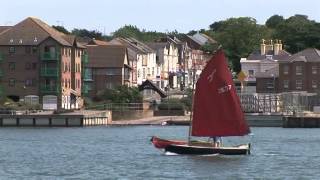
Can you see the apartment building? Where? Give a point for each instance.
(40, 62)
(300, 72)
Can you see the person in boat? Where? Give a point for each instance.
(216, 141)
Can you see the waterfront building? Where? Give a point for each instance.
(142, 59)
(167, 60)
(39, 64)
(300, 72)
(108, 67)
(263, 65)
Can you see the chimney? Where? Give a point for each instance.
(276, 47)
(262, 47)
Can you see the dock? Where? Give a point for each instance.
(49, 119)
(301, 121)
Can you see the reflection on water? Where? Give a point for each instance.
(126, 152)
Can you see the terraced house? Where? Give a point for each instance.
(41, 65)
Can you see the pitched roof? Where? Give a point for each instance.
(307, 55)
(107, 56)
(32, 31)
(256, 55)
(157, 45)
(98, 42)
(133, 44)
(4, 28)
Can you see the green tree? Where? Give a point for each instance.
(121, 94)
(298, 33)
(274, 21)
(128, 31)
(61, 29)
(239, 37)
(86, 33)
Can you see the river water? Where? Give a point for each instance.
(126, 153)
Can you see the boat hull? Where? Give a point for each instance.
(202, 150)
(163, 143)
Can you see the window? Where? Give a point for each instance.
(286, 69)
(314, 69)
(152, 71)
(298, 84)
(111, 72)
(314, 84)
(28, 65)
(144, 73)
(28, 49)
(270, 84)
(109, 85)
(286, 84)
(34, 50)
(34, 66)
(28, 82)
(12, 66)
(298, 70)
(139, 73)
(12, 82)
(12, 50)
(251, 73)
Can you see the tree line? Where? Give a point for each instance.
(238, 36)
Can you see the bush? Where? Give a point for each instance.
(171, 104)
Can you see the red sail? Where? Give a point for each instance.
(217, 110)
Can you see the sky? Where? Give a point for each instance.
(107, 16)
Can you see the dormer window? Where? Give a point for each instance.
(20, 41)
(35, 39)
(11, 40)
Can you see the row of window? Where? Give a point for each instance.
(52, 49)
(144, 73)
(299, 84)
(27, 83)
(299, 70)
(28, 66)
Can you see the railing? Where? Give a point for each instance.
(118, 106)
(50, 89)
(49, 72)
(84, 59)
(49, 56)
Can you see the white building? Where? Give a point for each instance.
(261, 61)
(142, 58)
(167, 61)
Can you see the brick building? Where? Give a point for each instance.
(108, 67)
(40, 62)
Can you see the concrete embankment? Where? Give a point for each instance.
(49, 119)
(254, 120)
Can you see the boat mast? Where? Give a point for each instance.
(192, 95)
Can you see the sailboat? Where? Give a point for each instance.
(216, 113)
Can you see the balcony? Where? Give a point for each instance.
(84, 59)
(85, 89)
(49, 72)
(49, 56)
(49, 89)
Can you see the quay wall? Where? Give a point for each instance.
(57, 120)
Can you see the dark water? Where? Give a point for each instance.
(126, 153)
